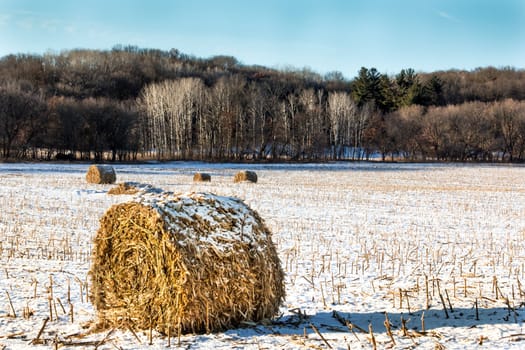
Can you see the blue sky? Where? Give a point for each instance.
(322, 35)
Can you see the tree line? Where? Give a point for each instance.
(136, 104)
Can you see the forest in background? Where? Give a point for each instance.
(129, 104)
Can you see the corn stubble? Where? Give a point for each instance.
(420, 243)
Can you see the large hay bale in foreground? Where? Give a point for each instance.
(245, 176)
(101, 174)
(184, 263)
(201, 177)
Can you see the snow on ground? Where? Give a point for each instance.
(438, 251)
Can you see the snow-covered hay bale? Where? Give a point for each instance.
(201, 177)
(101, 174)
(245, 176)
(184, 263)
(124, 188)
(133, 188)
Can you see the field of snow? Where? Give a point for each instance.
(376, 255)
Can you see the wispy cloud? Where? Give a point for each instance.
(70, 29)
(50, 25)
(30, 21)
(447, 16)
(26, 23)
(4, 19)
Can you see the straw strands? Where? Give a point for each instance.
(101, 174)
(245, 176)
(196, 262)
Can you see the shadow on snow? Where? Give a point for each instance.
(330, 321)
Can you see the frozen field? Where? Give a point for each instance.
(397, 255)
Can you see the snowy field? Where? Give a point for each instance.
(394, 256)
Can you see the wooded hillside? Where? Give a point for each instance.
(134, 104)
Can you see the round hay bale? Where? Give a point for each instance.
(201, 177)
(124, 188)
(189, 263)
(101, 174)
(245, 176)
(133, 188)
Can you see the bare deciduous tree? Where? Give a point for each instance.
(169, 110)
(21, 109)
(342, 112)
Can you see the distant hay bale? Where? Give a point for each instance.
(133, 188)
(201, 177)
(124, 188)
(245, 175)
(184, 263)
(101, 174)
